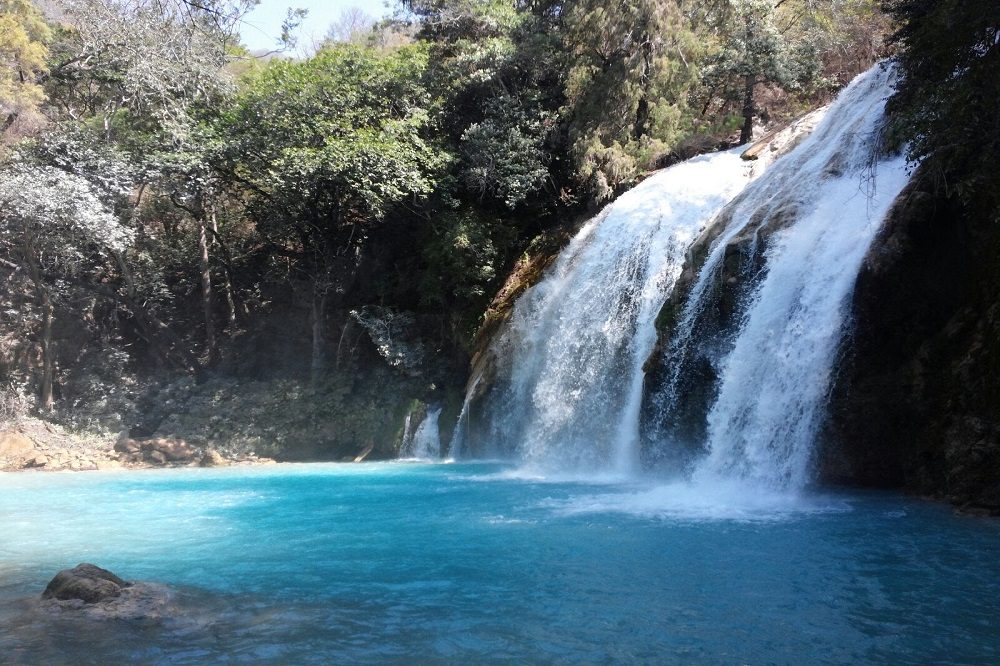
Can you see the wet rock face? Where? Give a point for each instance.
(916, 403)
(681, 419)
(682, 372)
(85, 582)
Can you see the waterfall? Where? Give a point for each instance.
(819, 208)
(407, 440)
(568, 388)
(569, 381)
(426, 441)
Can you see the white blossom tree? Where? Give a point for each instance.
(53, 229)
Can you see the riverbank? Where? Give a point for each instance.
(33, 444)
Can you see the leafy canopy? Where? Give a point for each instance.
(341, 134)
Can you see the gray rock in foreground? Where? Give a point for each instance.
(86, 582)
(98, 594)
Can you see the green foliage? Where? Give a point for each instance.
(463, 256)
(336, 139)
(754, 51)
(494, 68)
(630, 70)
(53, 220)
(945, 104)
(504, 156)
(23, 52)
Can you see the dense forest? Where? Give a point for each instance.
(289, 254)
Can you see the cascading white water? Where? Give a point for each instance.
(426, 442)
(570, 360)
(773, 383)
(407, 441)
(567, 390)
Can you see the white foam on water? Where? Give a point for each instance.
(687, 501)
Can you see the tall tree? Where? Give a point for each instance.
(754, 52)
(631, 68)
(53, 228)
(325, 148)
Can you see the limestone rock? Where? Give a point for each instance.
(126, 445)
(15, 445)
(156, 457)
(158, 451)
(212, 458)
(86, 582)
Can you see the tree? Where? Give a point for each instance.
(144, 64)
(150, 72)
(53, 228)
(945, 103)
(325, 148)
(631, 69)
(754, 52)
(23, 53)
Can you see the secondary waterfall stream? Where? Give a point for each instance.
(425, 444)
(568, 387)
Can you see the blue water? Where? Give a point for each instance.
(409, 563)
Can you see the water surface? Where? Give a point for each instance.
(405, 562)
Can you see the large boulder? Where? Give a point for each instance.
(167, 449)
(86, 582)
(213, 458)
(90, 592)
(15, 447)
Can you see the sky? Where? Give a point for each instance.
(262, 27)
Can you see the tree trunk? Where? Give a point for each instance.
(227, 282)
(48, 354)
(206, 290)
(340, 345)
(318, 363)
(641, 126)
(746, 135)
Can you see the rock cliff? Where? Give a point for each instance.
(917, 400)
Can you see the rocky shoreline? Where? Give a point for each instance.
(33, 444)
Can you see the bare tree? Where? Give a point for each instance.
(353, 27)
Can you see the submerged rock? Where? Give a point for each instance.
(86, 582)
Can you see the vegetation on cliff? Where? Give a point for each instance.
(945, 105)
